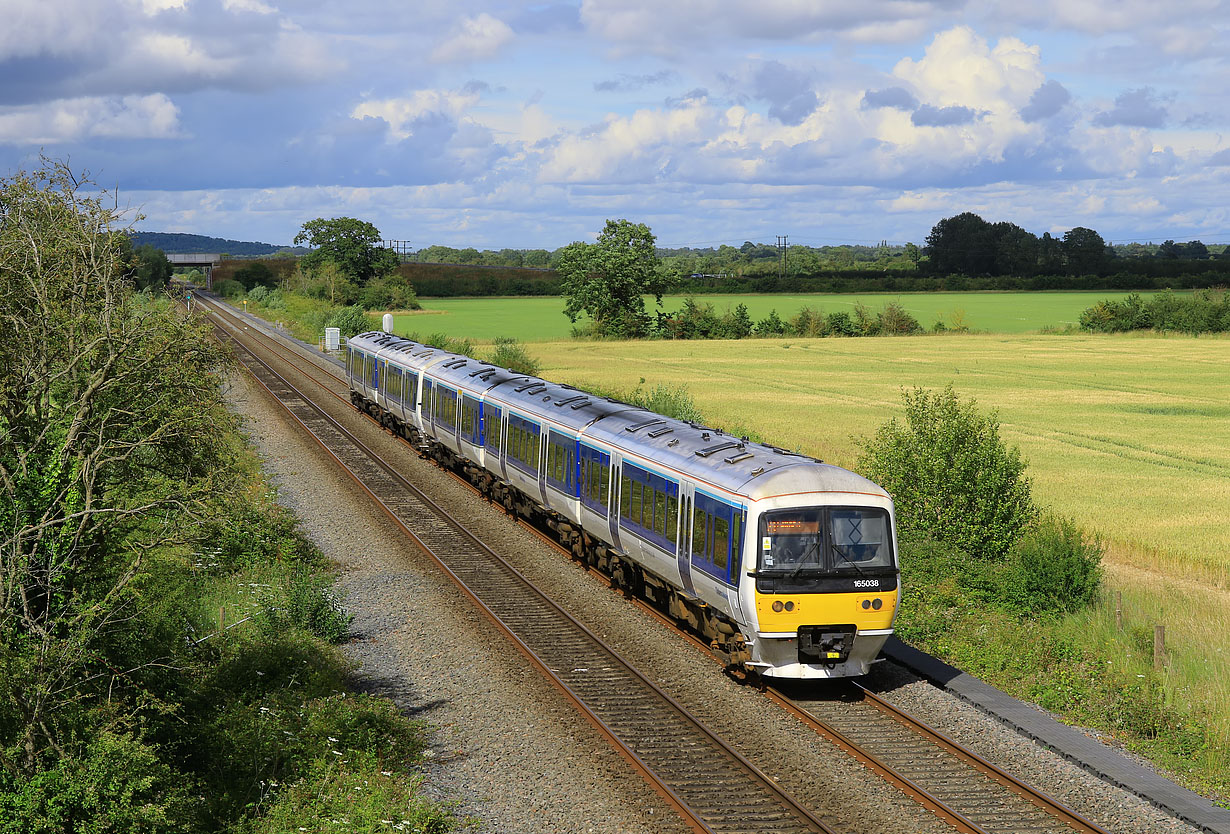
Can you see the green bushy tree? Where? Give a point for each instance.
(951, 475)
(607, 280)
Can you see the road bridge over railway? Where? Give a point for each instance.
(203, 262)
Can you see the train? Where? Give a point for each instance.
(786, 565)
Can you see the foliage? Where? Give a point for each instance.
(127, 525)
(1204, 312)
(352, 320)
(608, 280)
(509, 353)
(352, 245)
(464, 347)
(950, 474)
(151, 269)
(1054, 568)
(256, 274)
(229, 288)
(389, 293)
(115, 784)
(112, 428)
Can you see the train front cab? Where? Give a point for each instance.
(825, 586)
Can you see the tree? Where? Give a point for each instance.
(1016, 250)
(951, 476)
(1084, 250)
(1195, 250)
(152, 270)
(1169, 250)
(962, 245)
(111, 422)
(353, 245)
(608, 280)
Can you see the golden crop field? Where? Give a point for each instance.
(1128, 435)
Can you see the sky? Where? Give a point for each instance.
(496, 123)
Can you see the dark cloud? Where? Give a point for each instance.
(1046, 101)
(627, 83)
(1134, 108)
(930, 116)
(897, 97)
(476, 86)
(788, 91)
(1219, 159)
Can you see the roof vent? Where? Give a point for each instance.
(721, 447)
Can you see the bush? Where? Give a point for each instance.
(351, 320)
(390, 293)
(1053, 569)
(950, 474)
(256, 274)
(312, 605)
(229, 288)
(115, 785)
(510, 354)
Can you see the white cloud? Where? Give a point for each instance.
(129, 117)
(33, 27)
(475, 39)
(401, 114)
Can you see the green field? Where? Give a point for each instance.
(542, 319)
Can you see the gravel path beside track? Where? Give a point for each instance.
(510, 752)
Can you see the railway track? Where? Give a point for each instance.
(712, 786)
(676, 753)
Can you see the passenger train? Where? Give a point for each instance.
(785, 564)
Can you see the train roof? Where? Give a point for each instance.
(729, 462)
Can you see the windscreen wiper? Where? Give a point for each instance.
(848, 560)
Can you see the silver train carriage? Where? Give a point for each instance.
(786, 564)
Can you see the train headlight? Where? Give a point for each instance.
(789, 606)
(877, 603)
(866, 604)
(777, 606)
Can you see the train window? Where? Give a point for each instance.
(384, 370)
(367, 370)
(659, 513)
(721, 543)
(491, 426)
(736, 545)
(524, 445)
(469, 420)
(700, 520)
(625, 496)
(672, 517)
(635, 503)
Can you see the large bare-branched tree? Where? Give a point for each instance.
(109, 438)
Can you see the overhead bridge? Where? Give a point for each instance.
(204, 262)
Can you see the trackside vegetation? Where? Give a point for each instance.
(168, 658)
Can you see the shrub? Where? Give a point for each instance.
(351, 320)
(115, 784)
(1053, 569)
(950, 474)
(229, 288)
(256, 274)
(312, 605)
(893, 320)
(510, 354)
(771, 325)
(840, 324)
(392, 293)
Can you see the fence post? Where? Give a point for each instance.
(1159, 647)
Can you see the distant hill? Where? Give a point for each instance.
(181, 244)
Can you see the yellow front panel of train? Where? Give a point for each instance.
(823, 609)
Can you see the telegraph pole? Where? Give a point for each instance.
(781, 245)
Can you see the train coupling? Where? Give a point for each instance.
(826, 644)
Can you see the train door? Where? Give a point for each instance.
(614, 499)
(684, 550)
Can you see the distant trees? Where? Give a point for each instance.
(968, 245)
